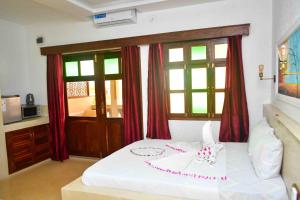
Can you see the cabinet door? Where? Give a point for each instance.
(41, 142)
(20, 148)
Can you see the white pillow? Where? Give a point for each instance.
(267, 157)
(259, 130)
(207, 135)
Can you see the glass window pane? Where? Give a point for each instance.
(199, 78)
(176, 55)
(199, 102)
(119, 92)
(111, 66)
(71, 68)
(176, 79)
(219, 101)
(221, 51)
(81, 99)
(113, 95)
(220, 75)
(177, 103)
(199, 53)
(91, 88)
(87, 68)
(107, 93)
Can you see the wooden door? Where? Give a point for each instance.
(114, 134)
(111, 64)
(100, 102)
(97, 132)
(85, 120)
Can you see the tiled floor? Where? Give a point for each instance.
(43, 182)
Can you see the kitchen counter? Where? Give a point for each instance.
(26, 123)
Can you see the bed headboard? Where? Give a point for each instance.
(288, 131)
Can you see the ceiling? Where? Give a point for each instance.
(28, 12)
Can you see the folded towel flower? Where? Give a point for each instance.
(208, 153)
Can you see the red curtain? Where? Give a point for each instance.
(56, 107)
(234, 120)
(158, 126)
(132, 102)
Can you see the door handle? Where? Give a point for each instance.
(102, 108)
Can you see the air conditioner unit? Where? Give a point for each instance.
(111, 18)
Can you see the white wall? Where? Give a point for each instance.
(286, 18)
(256, 48)
(14, 74)
(14, 71)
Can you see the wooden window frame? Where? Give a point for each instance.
(77, 58)
(111, 77)
(114, 76)
(188, 64)
(89, 56)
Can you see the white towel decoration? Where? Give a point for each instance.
(207, 134)
(208, 153)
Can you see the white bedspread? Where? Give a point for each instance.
(124, 170)
(243, 184)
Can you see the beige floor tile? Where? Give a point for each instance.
(43, 182)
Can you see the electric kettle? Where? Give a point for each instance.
(29, 99)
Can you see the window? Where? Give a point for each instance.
(79, 77)
(113, 85)
(196, 78)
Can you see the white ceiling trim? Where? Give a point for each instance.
(27, 12)
(113, 5)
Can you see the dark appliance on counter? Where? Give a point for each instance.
(30, 111)
(29, 99)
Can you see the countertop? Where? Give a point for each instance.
(26, 123)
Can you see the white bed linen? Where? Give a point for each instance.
(243, 184)
(124, 170)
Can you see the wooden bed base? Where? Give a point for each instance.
(76, 190)
(285, 128)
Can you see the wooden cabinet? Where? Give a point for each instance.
(41, 136)
(27, 146)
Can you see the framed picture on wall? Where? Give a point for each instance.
(289, 66)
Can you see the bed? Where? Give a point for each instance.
(124, 175)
